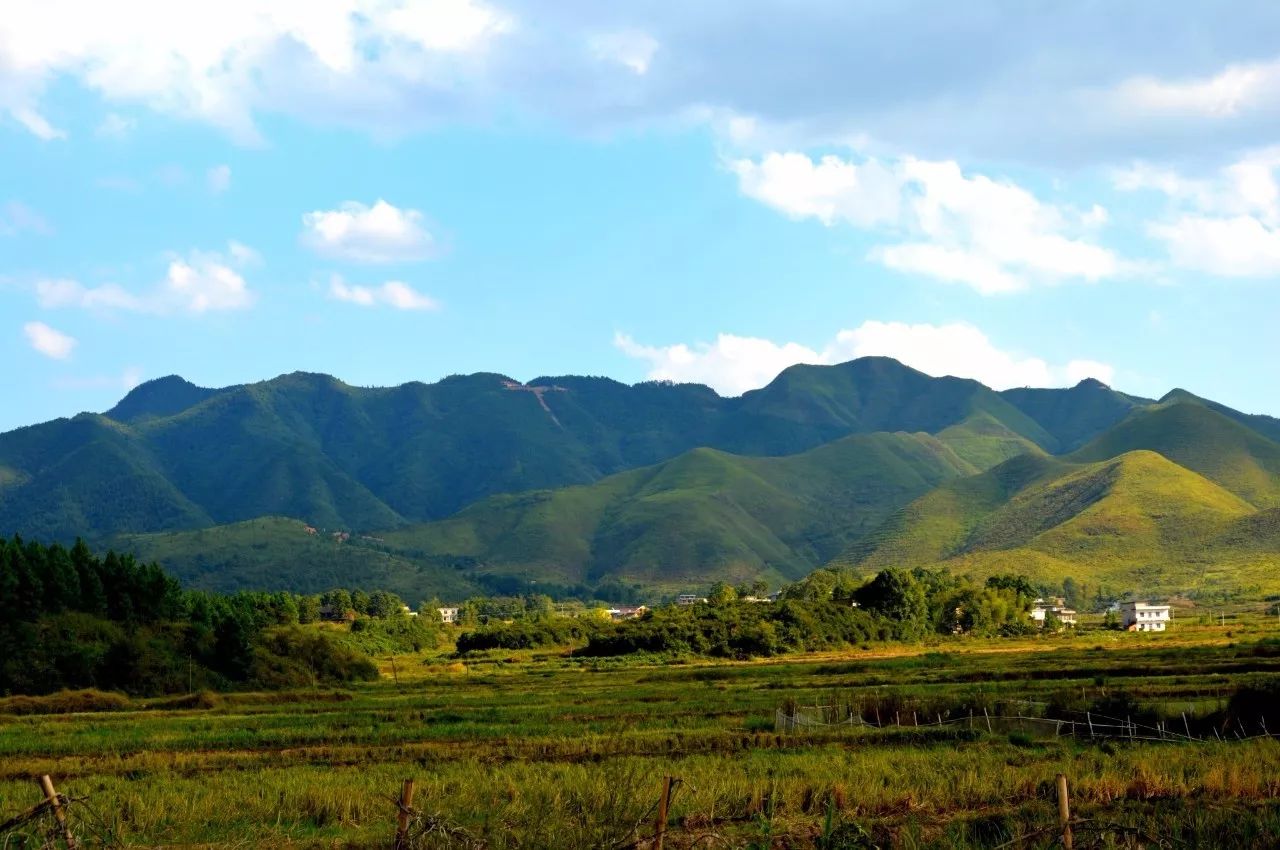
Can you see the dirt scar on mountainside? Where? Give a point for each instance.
(538, 393)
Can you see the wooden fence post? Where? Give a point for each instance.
(988, 716)
(660, 828)
(402, 816)
(1064, 811)
(46, 785)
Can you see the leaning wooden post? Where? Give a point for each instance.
(988, 716)
(660, 828)
(55, 803)
(1064, 811)
(402, 817)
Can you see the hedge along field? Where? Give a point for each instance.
(544, 750)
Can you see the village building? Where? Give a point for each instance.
(1056, 605)
(627, 612)
(690, 599)
(448, 615)
(1141, 617)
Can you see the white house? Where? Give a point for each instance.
(1039, 608)
(690, 599)
(1141, 617)
(448, 615)
(627, 612)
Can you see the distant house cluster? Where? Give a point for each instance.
(627, 612)
(690, 599)
(448, 615)
(1055, 605)
(1141, 617)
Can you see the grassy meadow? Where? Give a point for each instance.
(538, 749)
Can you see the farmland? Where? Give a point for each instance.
(541, 749)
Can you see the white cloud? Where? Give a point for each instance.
(830, 190)
(47, 341)
(395, 294)
(1226, 224)
(16, 217)
(36, 124)
(382, 233)
(992, 235)
(1074, 81)
(632, 49)
(1240, 246)
(451, 26)
(199, 282)
(1224, 94)
(219, 63)
(203, 282)
(218, 179)
(733, 364)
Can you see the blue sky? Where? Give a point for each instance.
(394, 190)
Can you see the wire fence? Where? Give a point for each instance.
(1086, 725)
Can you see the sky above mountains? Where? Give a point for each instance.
(390, 190)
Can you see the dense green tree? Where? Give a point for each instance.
(722, 593)
(899, 596)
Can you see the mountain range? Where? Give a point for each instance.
(480, 481)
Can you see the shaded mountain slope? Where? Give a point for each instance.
(1198, 438)
(703, 514)
(273, 553)
(1076, 415)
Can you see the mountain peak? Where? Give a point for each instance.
(1180, 396)
(159, 397)
(1091, 384)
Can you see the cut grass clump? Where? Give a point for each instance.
(66, 702)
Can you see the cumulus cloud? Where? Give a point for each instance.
(1058, 84)
(218, 179)
(48, 341)
(195, 283)
(394, 293)
(1226, 223)
(992, 235)
(382, 233)
(734, 364)
(1223, 94)
(219, 63)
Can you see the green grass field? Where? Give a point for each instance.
(543, 750)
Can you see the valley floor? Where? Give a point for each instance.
(540, 750)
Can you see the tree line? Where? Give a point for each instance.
(72, 619)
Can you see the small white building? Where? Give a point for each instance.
(627, 612)
(1041, 607)
(448, 615)
(690, 599)
(1141, 617)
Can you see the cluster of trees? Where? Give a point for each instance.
(75, 620)
(827, 609)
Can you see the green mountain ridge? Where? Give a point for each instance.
(1168, 500)
(579, 480)
(314, 448)
(704, 512)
